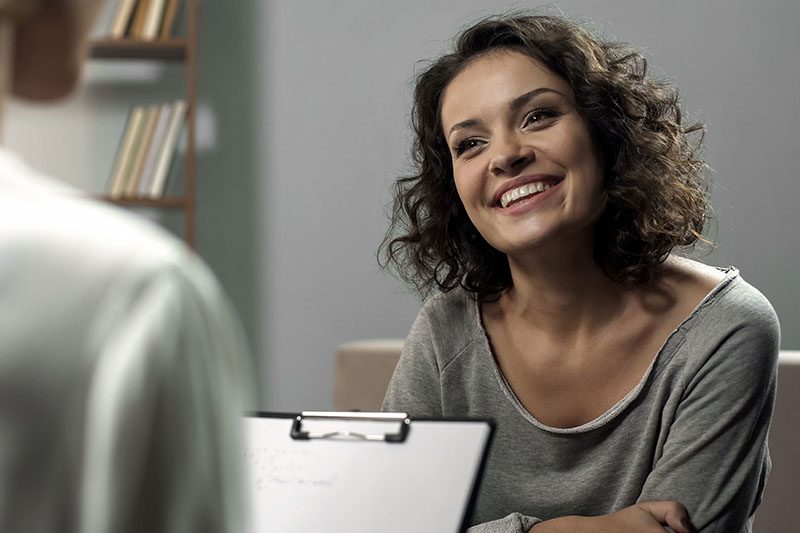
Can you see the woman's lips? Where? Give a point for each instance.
(524, 189)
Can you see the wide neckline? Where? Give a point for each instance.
(612, 412)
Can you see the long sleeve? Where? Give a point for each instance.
(715, 460)
(513, 523)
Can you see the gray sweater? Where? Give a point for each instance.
(694, 429)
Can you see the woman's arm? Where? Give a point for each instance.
(715, 460)
(643, 517)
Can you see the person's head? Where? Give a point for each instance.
(43, 45)
(653, 185)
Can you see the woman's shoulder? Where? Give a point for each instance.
(727, 297)
(736, 304)
(448, 320)
(684, 287)
(683, 276)
(453, 307)
(708, 304)
(730, 339)
(734, 321)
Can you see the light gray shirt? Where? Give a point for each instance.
(694, 429)
(123, 372)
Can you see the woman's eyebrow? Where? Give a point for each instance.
(523, 99)
(463, 124)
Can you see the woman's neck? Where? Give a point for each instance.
(562, 291)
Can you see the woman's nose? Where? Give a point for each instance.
(510, 156)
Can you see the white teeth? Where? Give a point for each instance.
(522, 191)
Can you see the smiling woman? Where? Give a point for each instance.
(632, 388)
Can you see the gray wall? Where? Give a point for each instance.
(304, 126)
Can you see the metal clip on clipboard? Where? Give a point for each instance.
(401, 418)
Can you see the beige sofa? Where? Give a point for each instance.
(777, 511)
(363, 369)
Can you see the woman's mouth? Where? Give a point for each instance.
(524, 191)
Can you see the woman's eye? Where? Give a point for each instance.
(466, 144)
(539, 116)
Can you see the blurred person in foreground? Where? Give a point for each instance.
(122, 365)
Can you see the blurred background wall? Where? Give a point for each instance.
(303, 125)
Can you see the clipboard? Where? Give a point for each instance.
(354, 472)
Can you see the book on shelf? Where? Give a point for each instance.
(125, 152)
(152, 20)
(121, 18)
(152, 151)
(144, 19)
(138, 20)
(146, 151)
(170, 17)
(151, 117)
(177, 120)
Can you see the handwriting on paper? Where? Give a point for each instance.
(275, 466)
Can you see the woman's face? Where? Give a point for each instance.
(524, 163)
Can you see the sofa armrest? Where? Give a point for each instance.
(362, 371)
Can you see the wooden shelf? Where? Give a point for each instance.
(161, 50)
(177, 202)
(183, 50)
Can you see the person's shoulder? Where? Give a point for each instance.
(746, 305)
(717, 291)
(451, 309)
(734, 301)
(736, 322)
(686, 279)
(48, 221)
(448, 321)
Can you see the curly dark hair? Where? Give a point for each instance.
(657, 186)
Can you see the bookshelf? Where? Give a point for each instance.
(173, 49)
(162, 50)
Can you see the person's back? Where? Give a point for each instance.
(123, 370)
(120, 371)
